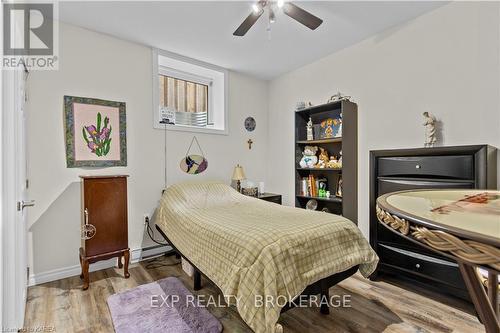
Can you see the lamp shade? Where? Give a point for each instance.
(238, 173)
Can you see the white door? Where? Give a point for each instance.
(13, 254)
(14, 199)
(22, 203)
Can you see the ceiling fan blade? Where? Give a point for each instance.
(248, 23)
(302, 16)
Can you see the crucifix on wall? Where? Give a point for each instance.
(250, 142)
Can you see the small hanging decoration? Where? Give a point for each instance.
(87, 230)
(194, 164)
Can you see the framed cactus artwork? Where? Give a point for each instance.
(95, 131)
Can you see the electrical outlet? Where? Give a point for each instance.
(145, 218)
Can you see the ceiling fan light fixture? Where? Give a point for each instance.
(272, 16)
(295, 12)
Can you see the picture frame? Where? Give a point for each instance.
(250, 191)
(331, 128)
(95, 132)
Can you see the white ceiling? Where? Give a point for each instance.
(203, 30)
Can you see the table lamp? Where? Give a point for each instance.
(238, 175)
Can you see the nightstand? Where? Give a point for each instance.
(271, 197)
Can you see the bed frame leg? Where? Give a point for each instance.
(325, 299)
(196, 280)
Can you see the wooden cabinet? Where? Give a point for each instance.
(104, 206)
(461, 167)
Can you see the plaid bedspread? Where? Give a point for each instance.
(249, 247)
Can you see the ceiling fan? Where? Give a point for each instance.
(294, 11)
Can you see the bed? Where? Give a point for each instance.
(252, 248)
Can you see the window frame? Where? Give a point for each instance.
(193, 77)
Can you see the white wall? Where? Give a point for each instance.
(445, 62)
(100, 66)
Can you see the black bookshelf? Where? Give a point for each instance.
(347, 205)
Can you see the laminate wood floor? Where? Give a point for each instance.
(382, 306)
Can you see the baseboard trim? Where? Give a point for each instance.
(136, 255)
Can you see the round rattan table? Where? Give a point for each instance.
(461, 224)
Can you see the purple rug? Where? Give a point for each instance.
(163, 306)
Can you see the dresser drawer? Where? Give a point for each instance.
(387, 185)
(457, 167)
(432, 268)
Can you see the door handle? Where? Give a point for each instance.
(22, 204)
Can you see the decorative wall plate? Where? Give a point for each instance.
(194, 164)
(250, 124)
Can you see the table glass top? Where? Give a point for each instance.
(471, 211)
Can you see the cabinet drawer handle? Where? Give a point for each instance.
(418, 166)
(86, 212)
(417, 266)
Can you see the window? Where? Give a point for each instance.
(190, 95)
(186, 100)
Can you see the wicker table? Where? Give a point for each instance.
(463, 225)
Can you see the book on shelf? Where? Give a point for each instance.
(309, 186)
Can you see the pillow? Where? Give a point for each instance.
(203, 194)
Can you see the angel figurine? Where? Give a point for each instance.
(430, 129)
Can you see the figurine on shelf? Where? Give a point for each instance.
(310, 130)
(337, 123)
(334, 162)
(323, 158)
(338, 191)
(322, 188)
(309, 158)
(338, 97)
(430, 130)
(327, 195)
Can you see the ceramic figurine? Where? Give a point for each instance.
(310, 130)
(323, 158)
(309, 158)
(300, 105)
(338, 97)
(338, 192)
(430, 129)
(337, 122)
(327, 194)
(322, 188)
(334, 162)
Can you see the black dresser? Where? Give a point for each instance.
(472, 167)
